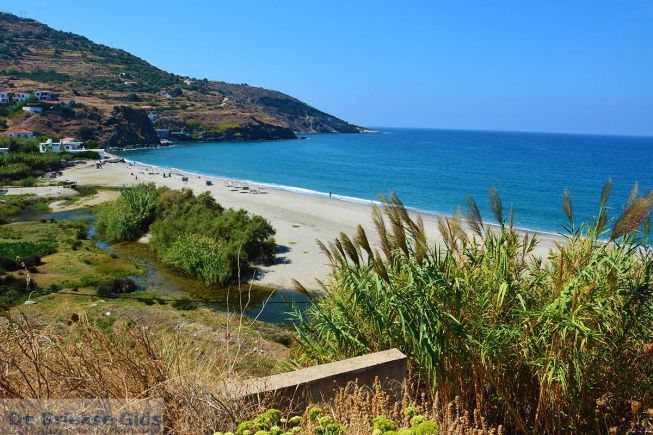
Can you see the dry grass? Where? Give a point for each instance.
(357, 406)
(79, 360)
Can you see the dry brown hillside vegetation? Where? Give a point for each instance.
(100, 78)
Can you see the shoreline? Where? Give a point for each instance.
(325, 195)
(299, 217)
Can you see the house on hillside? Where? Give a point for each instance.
(162, 132)
(33, 109)
(166, 93)
(19, 133)
(151, 113)
(66, 145)
(44, 95)
(4, 151)
(4, 98)
(22, 97)
(188, 82)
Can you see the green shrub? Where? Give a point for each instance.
(88, 281)
(26, 249)
(20, 165)
(129, 217)
(199, 256)
(8, 265)
(231, 240)
(27, 182)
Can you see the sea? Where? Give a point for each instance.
(433, 170)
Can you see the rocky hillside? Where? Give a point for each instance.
(109, 93)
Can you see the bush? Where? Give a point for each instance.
(129, 217)
(541, 344)
(230, 239)
(20, 145)
(115, 287)
(26, 250)
(27, 182)
(88, 281)
(8, 265)
(199, 256)
(19, 165)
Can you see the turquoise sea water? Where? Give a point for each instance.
(435, 170)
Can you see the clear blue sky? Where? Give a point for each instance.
(561, 66)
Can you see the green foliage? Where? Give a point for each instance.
(220, 129)
(14, 290)
(199, 256)
(26, 249)
(85, 133)
(115, 287)
(263, 422)
(230, 241)
(14, 205)
(539, 341)
(192, 233)
(19, 165)
(383, 424)
(27, 182)
(133, 97)
(83, 155)
(49, 76)
(20, 145)
(271, 423)
(129, 217)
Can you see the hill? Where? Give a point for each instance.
(105, 84)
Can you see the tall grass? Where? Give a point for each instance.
(81, 361)
(128, 217)
(556, 344)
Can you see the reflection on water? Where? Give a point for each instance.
(256, 302)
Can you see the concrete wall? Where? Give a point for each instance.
(319, 383)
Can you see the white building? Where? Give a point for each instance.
(151, 113)
(66, 145)
(33, 109)
(4, 98)
(44, 95)
(17, 132)
(4, 151)
(21, 97)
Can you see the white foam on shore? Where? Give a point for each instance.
(317, 193)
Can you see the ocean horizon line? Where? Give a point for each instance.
(482, 130)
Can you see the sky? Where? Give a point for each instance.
(572, 66)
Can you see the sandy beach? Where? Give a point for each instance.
(299, 220)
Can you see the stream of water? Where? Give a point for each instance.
(256, 302)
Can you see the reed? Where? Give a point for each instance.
(553, 344)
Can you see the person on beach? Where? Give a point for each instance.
(329, 195)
